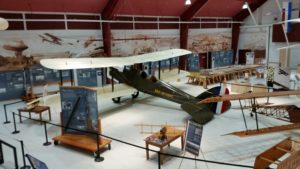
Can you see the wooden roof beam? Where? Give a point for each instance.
(192, 10)
(243, 14)
(184, 28)
(108, 13)
(111, 9)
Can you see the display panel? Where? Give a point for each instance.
(221, 58)
(89, 77)
(11, 85)
(79, 109)
(193, 62)
(41, 75)
(193, 137)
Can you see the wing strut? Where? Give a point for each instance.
(254, 110)
(243, 115)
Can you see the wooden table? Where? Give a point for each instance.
(172, 134)
(38, 110)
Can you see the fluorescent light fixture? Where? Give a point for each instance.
(188, 2)
(245, 6)
(3, 24)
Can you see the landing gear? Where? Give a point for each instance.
(135, 95)
(116, 100)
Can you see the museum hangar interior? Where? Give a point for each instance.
(120, 84)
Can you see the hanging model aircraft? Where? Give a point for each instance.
(138, 79)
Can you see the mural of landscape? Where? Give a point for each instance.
(25, 49)
(206, 42)
(127, 43)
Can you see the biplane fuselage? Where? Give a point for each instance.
(201, 113)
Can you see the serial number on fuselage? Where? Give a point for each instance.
(162, 93)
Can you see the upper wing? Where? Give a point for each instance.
(82, 63)
(249, 96)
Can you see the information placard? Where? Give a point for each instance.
(193, 137)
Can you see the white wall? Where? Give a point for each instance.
(251, 37)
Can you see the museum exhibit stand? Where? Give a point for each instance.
(85, 141)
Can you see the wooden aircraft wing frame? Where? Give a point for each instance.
(249, 96)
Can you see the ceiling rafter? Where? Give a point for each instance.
(243, 14)
(192, 10)
(111, 9)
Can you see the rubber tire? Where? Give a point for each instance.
(135, 95)
(116, 100)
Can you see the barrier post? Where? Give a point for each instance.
(15, 157)
(5, 113)
(47, 143)
(15, 125)
(1, 154)
(23, 156)
(158, 154)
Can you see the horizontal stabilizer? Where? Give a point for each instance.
(200, 113)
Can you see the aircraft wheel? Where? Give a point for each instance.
(135, 95)
(116, 100)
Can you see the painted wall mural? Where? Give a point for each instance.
(134, 42)
(19, 49)
(202, 42)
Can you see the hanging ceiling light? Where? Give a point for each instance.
(188, 2)
(245, 6)
(3, 24)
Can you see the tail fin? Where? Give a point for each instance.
(219, 107)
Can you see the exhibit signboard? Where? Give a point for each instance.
(193, 137)
(79, 108)
(221, 58)
(36, 163)
(193, 62)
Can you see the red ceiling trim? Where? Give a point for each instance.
(193, 10)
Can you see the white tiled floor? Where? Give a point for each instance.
(118, 121)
